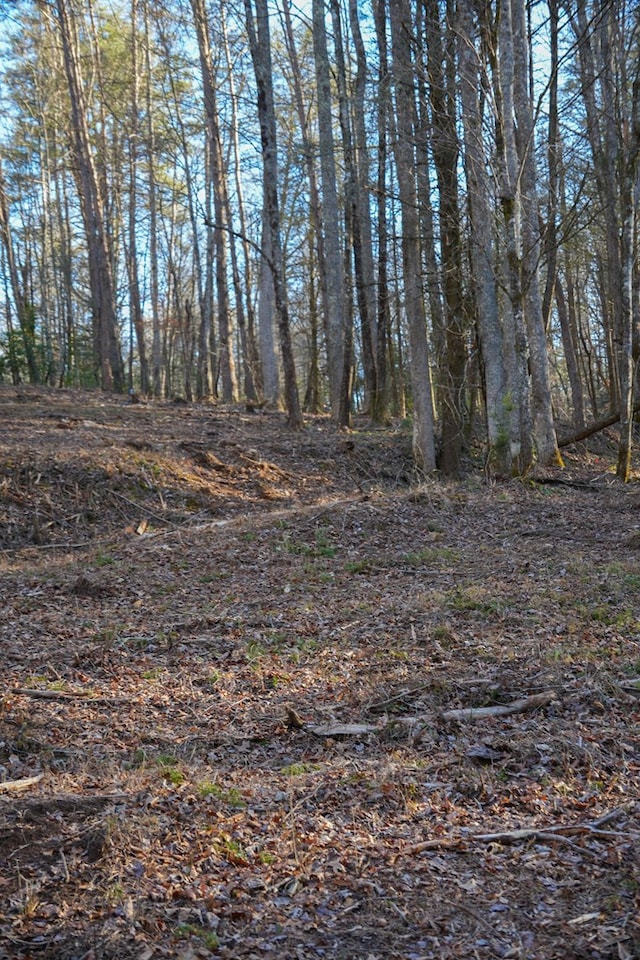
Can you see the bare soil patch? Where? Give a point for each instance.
(230, 660)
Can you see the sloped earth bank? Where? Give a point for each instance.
(230, 656)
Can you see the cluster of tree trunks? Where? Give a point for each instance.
(391, 216)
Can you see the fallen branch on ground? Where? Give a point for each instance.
(420, 722)
(559, 831)
(504, 710)
(64, 695)
(593, 428)
(10, 786)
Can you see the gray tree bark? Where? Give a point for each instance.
(106, 339)
(403, 73)
(334, 264)
(260, 44)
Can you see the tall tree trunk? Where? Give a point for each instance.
(444, 140)
(315, 207)
(252, 377)
(353, 239)
(135, 307)
(158, 359)
(260, 44)
(220, 202)
(630, 196)
(383, 306)
(543, 425)
(266, 320)
(423, 433)
(481, 247)
(24, 310)
(363, 221)
(515, 340)
(333, 265)
(106, 341)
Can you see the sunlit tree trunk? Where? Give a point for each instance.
(630, 201)
(158, 359)
(106, 340)
(444, 142)
(543, 425)
(266, 320)
(252, 378)
(333, 265)
(220, 202)
(135, 306)
(423, 427)
(260, 44)
(507, 165)
(383, 307)
(482, 245)
(22, 307)
(366, 277)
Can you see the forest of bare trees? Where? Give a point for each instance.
(421, 208)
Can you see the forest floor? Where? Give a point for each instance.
(242, 679)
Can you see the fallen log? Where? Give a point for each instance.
(593, 428)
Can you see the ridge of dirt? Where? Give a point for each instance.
(229, 657)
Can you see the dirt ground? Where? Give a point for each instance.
(268, 695)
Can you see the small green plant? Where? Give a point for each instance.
(152, 674)
(208, 937)
(115, 893)
(232, 850)
(443, 635)
(104, 560)
(357, 566)
(324, 548)
(255, 652)
(170, 770)
(230, 796)
(298, 769)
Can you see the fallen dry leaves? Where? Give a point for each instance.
(253, 691)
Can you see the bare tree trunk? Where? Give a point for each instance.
(252, 375)
(108, 354)
(383, 309)
(423, 434)
(260, 43)
(630, 193)
(266, 320)
(24, 310)
(543, 425)
(363, 221)
(333, 265)
(515, 341)
(132, 257)
(158, 360)
(444, 141)
(309, 165)
(220, 202)
(481, 244)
